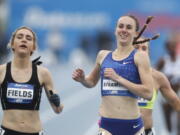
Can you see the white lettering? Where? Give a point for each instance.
(36, 17)
(17, 93)
(112, 85)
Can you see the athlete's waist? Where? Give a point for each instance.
(21, 118)
(119, 116)
(26, 126)
(119, 112)
(122, 120)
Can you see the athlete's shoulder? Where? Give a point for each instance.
(101, 55)
(2, 72)
(2, 68)
(43, 71)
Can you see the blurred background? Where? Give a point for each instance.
(70, 33)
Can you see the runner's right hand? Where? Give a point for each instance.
(78, 75)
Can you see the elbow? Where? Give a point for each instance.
(91, 84)
(88, 83)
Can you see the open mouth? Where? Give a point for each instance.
(23, 46)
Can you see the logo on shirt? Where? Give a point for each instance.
(126, 62)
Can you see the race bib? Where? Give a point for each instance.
(112, 88)
(20, 93)
(112, 85)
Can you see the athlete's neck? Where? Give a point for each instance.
(21, 63)
(124, 50)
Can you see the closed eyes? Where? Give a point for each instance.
(28, 37)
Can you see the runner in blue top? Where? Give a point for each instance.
(125, 74)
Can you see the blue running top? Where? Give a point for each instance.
(125, 68)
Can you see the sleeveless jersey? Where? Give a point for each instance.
(125, 68)
(23, 96)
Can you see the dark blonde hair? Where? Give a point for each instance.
(11, 42)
